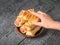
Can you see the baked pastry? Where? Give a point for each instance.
(24, 22)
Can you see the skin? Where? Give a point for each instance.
(46, 21)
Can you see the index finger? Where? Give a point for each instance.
(36, 14)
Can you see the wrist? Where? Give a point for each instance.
(55, 25)
(51, 24)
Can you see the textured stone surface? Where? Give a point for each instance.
(54, 39)
(12, 39)
(9, 9)
(38, 40)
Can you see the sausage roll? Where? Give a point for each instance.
(24, 21)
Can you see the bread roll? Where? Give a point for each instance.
(24, 21)
(32, 32)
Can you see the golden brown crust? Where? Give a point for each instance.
(33, 31)
(26, 18)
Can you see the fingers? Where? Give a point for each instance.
(36, 14)
(37, 23)
(40, 12)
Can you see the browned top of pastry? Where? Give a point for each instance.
(24, 16)
(24, 21)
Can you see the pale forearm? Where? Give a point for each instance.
(46, 21)
(55, 25)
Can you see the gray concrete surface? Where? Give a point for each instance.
(9, 9)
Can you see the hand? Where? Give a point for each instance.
(46, 20)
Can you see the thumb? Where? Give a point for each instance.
(37, 23)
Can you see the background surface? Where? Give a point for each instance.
(9, 9)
